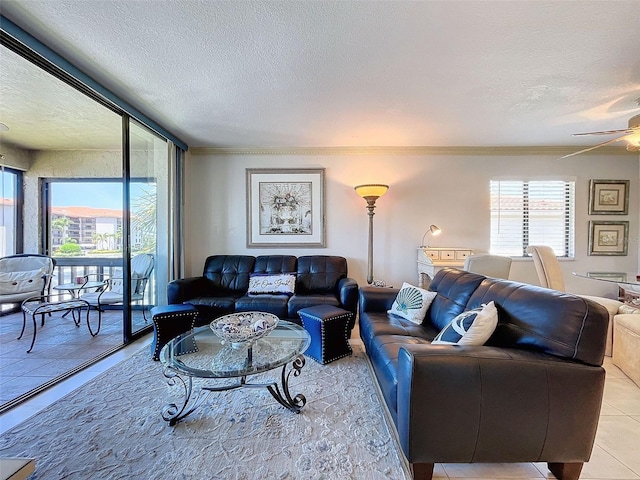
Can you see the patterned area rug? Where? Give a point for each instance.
(112, 428)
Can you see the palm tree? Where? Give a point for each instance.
(144, 218)
(100, 239)
(61, 223)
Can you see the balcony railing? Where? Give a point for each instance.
(69, 268)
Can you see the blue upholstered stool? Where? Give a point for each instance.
(169, 321)
(328, 327)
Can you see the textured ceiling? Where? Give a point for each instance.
(347, 73)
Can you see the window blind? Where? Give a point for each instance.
(532, 212)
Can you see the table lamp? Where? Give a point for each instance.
(433, 230)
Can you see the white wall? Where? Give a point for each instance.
(451, 191)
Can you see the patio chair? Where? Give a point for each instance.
(113, 291)
(23, 276)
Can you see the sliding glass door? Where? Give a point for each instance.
(10, 210)
(148, 222)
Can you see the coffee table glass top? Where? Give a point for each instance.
(214, 359)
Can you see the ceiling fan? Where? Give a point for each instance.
(630, 135)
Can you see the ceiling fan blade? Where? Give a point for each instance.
(607, 132)
(594, 147)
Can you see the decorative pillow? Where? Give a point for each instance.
(280, 283)
(473, 327)
(21, 282)
(628, 309)
(412, 303)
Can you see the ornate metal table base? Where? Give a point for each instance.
(173, 413)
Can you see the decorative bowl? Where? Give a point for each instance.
(238, 329)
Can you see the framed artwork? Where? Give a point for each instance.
(608, 238)
(285, 207)
(608, 197)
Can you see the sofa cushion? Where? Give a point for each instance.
(319, 274)
(210, 308)
(229, 273)
(473, 327)
(275, 304)
(22, 282)
(296, 302)
(454, 288)
(412, 303)
(275, 264)
(581, 335)
(272, 283)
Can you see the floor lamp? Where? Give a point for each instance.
(371, 193)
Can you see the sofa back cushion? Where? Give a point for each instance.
(320, 274)
(229, 273)
(275, 264)
(454, 288)
(529, 316)
(545, 320)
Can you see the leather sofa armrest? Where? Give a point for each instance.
(377, 299)
(348, 294)
(467, 404)
(183, 289)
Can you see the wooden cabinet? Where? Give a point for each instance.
(432, 259)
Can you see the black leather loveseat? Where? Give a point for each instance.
(531, 393)
(224, 286)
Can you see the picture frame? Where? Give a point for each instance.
(608, 197)
(608, 238)
(285, 207)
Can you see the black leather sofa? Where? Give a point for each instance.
(224, 284)
(532, 393)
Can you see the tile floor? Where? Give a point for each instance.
(616, 454)
(59, 347)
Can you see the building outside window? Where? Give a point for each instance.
(532, 212)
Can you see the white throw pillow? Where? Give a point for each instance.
(412, 303)
(628, 309)
(473, 327)
(274, 284)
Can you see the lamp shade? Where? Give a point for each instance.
(433, 230)
(371, 190)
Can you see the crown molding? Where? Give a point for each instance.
(417, 150)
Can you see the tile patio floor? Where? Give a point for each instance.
(60, 346)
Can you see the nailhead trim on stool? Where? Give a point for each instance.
(328, 327)
(169, 321)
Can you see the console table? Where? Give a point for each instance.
(432, 259)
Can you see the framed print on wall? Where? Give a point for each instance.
(285, 207)
(608, 238)
(608, 197)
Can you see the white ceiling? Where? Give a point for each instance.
(351, 73)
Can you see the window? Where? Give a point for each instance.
(532, 212)
(10, 211)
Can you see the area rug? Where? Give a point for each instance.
(111, 428)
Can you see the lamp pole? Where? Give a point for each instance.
(371, 204)
(371, 193)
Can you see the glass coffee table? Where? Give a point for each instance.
(202, 355)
